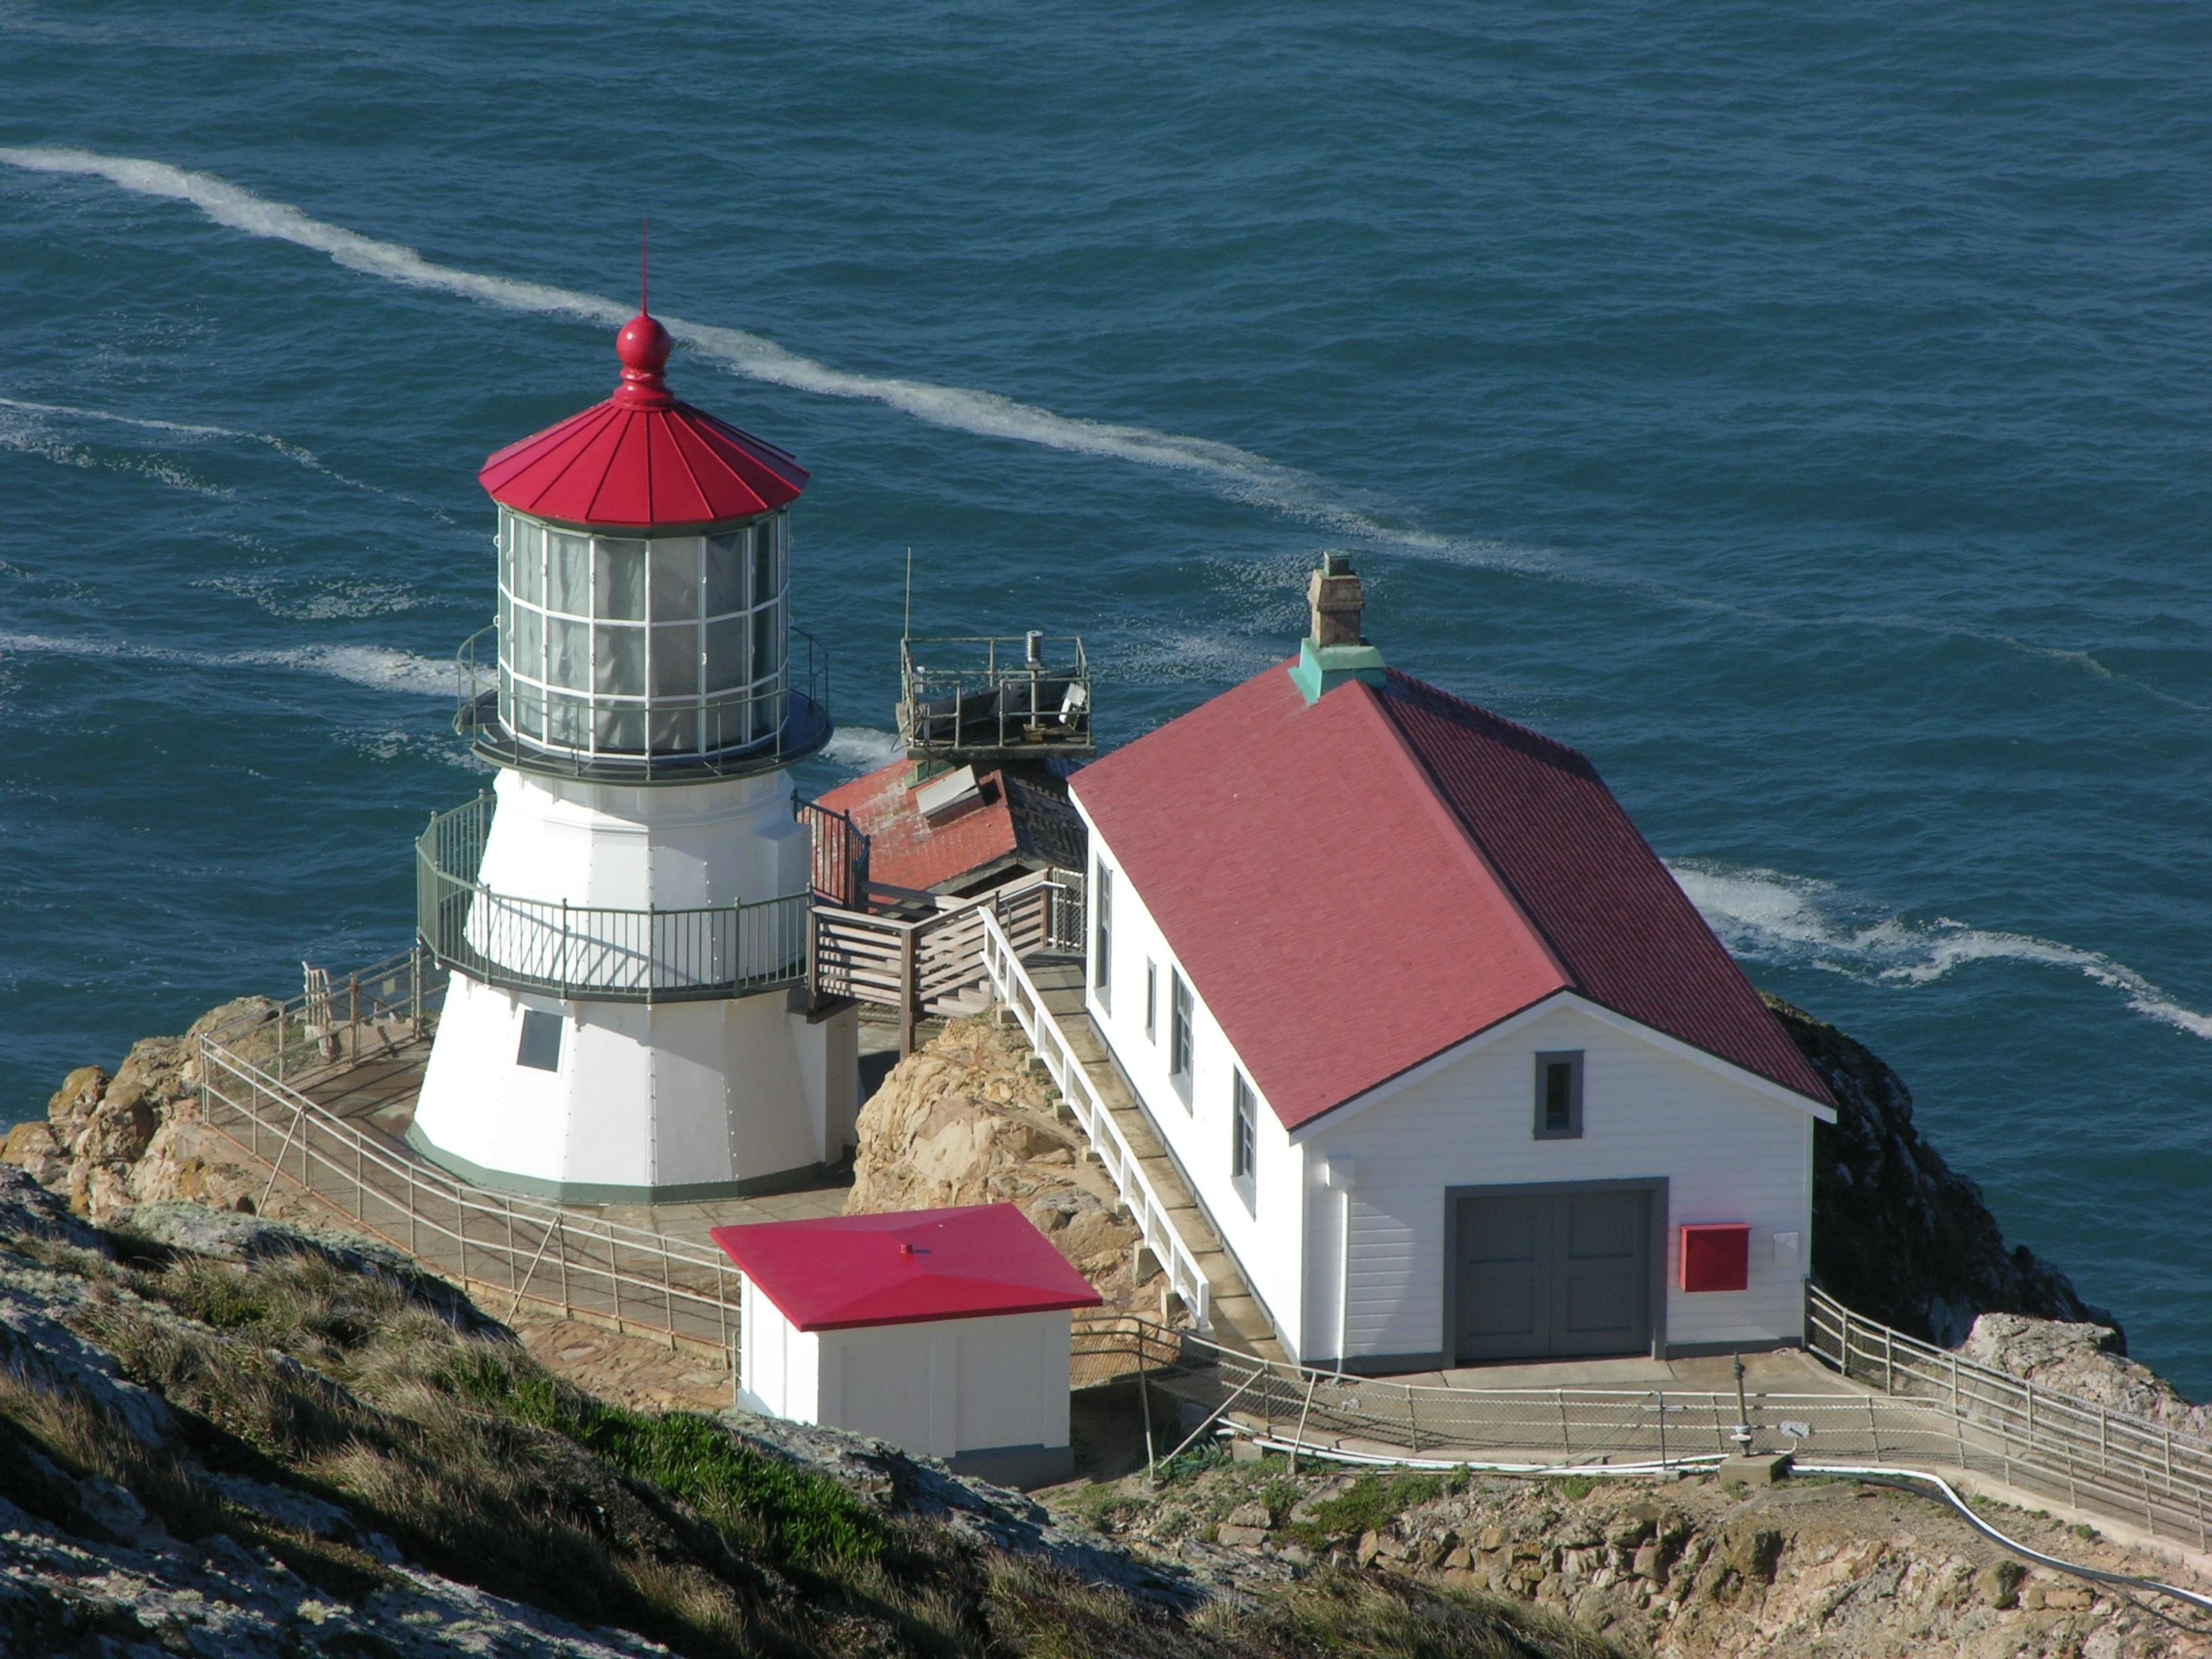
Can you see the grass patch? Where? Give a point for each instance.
(1368, 1504)
(806, 1518)
(1575, 1487)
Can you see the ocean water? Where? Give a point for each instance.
(1806, 416)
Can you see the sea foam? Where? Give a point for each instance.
(1238, 474)
(378, 667)
(1767, 915)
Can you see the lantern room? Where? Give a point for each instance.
(643, 566)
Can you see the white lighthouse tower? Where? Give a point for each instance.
(625, 915)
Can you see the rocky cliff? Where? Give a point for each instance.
(1896, 1233)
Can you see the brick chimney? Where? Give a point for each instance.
(1335, 651)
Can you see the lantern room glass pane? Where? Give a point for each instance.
(726, 654)
(568, 721)
(618, 661)
(619, 726)
(726, 727)
(526, 650)
(568, 573)
(529, 555)
(618, 579)
(766, 634)
(765, 583)
(675, 578)
(676, 731)
(725, 573)
(529, 718)
(676, 660)
(568, 653)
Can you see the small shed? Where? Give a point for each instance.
(944, 1332)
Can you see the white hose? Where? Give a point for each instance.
(1847, 1471)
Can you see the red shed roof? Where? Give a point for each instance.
(1015, 820)
(641, 460)
(906, 1267)
(1388, 873)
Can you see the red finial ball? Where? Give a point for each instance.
(643, 345)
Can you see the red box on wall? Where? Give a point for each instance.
(1717, 1256)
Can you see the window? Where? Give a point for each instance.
(1151, 1001)
(1102, 953)
(1179, 1056)
(541, 1041)
(1559, 1095)
(1243, 1129)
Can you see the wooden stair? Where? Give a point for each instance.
(1239, 1320)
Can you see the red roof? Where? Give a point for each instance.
(642, 460)
(1357, 885)
(1014, 819)
(906, 1267)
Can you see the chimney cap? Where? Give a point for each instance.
(1333, 649)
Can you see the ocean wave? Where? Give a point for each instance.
(378, 667)
(197, 431)
(862, 748)
(1767, 915)
(1237, 474)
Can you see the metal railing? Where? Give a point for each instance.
(598, 951)
(1017, 992)
(1032, 698)
(504, 1249)
(1922, 1408)
(741, 734)
(839, 855)
(2067, 1449)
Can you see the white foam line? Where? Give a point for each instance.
(862, 747)
(1769, 916)
(290, 451)
(378, 667)
(1236, 473)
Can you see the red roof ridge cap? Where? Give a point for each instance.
(1432, 799)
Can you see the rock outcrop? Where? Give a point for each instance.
(972, 1119)
(1898, 1234)
(137, 1137)
(2086, 1361)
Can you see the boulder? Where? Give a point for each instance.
(2085, 1360)
(968, 1120)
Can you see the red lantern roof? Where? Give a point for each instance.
(642, 460)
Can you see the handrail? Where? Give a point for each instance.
(1018, 992)
(514, 1247)
(1008, 707)
(798, 705)
(605, 952)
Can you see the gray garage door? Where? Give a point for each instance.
(1553, 1275)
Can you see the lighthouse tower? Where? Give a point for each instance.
(625, 913)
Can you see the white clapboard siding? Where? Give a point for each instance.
(1729, 1152)
(1267, 1237)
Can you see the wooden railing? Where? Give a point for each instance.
(932, 964)
(1017, 992)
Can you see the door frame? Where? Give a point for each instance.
(1654, 1185)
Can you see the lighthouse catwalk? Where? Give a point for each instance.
(625, 915)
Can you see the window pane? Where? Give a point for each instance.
(506, 626)
(529, 563)
(764, 582)
(526, 650)
(568, 573)
(675, 577)
(676, 731)
(618, 575)
(676, 662)
(620, 726)
(767, 632)
(618, 664)
(567, 722)
(726, 654)
(725, 573)
(568, 653)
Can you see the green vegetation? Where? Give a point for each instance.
(382, 1392)
(1368, 1504)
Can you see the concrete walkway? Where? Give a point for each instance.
(1239, 1320)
